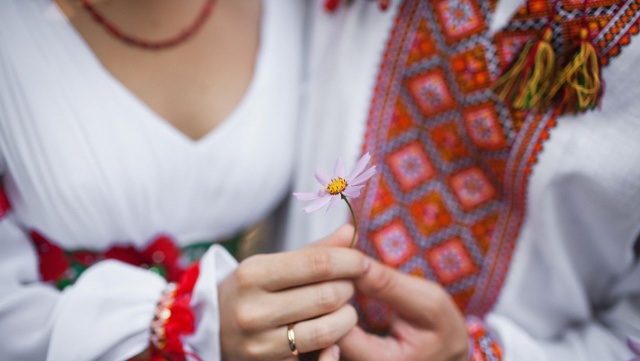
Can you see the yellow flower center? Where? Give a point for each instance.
(336, 186)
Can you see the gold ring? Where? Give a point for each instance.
(291, 336)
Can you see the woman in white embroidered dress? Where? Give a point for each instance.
(106, 144)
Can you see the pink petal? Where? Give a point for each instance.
(352, 191)
(364, 176)
(359, 166)
(338, 170)
(317, 204)
(634, 345)
(307, 196)
(334, 200)
(323, 179)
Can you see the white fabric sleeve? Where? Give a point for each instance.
(106, 315)
(112, 302)
(601, 339)
(26, 307)
(215, 266)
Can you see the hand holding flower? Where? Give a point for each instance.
(340, 187)
(308, 288)
(427, 324)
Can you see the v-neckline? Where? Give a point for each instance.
(235, 116)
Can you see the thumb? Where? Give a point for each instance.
(330, 354)
(340, 238)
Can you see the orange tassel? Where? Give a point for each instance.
(527, 82)
(579, 87)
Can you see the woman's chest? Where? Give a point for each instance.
(85, 165)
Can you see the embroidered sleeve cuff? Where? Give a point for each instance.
(483, 343)
(215, 265)
(174, 319)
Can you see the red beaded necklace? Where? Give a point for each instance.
(149, 44)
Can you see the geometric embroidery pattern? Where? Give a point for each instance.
(449, 197)
(484, 345)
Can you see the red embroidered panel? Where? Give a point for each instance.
(449, 197)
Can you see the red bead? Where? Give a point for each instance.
(331, 5)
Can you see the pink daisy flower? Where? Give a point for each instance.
(341, 186)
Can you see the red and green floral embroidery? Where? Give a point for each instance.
(162, 256)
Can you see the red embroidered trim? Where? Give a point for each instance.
(174, 319)
(622, 26)
(524, 154)
(63, 267)
(483, 344)
(5, 206)
(611, 23)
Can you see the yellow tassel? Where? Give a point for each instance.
(579, 87)
(526, 84)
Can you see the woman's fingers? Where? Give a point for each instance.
(270, 310)
(310, 335)
(307, 302)
(324, 331)
(413, 298)
(330, 354)
(359, 345)
(274, 272)
(268, 291)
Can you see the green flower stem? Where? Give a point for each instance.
(355, 223)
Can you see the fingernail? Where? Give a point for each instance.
(367, 264)
(335, 351)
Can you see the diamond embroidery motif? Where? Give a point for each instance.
(470, 70)
(430, 92)
(472, 187)
(430, 213)
(410, 165)
(484, 128)
(451, 261)
(447, 140)
(393, 244)
(459, 18)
